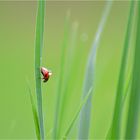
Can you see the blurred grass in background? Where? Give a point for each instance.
(17, 34)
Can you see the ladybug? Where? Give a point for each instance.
(46, 74)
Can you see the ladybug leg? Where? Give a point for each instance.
(45, 80)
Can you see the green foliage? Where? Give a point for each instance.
(77, 114)
(38, 58)
(126, 93)
(134, 101)
(65, 79)
(115, 127)
(84, 123)
(78, 63)
(35, 116)
(68, 74)
(59, 99)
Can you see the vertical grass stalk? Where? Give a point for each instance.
(38, 59)
(68, 75)
(89, 77)
(134, 102)
(115, 126)
(57, 115)
(125, 96)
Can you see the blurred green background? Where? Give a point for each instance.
(17, 41)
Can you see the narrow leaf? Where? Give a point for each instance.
(115, 127)
(89, 77)
(134, 102)
(127, 90)
(38, 58)
(57, 115)
(126, 93)
(35, 116)
(76, 114)
(68, 74)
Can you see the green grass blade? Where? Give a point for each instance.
(49, 133)
(89, 77)
(35, 116)
(76, 114)
(61, 79)
(134, 102)
(127, 90)
(115, 126)
(38, 58)
(68, 76)
(126, 93)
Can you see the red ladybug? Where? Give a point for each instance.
(46, 74)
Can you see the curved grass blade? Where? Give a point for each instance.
(115, 126)
(38, 58)
(56, 131)
(35, 116)
(134, 102)
(76, 114)
(89, 77)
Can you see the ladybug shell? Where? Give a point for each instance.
(45, 74)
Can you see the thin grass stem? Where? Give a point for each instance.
(116, 121)
(134, 101)
(38, 59)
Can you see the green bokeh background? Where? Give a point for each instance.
(17, 41)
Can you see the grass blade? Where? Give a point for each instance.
(89, 77)
(134, 102)
(38, 58)
(76, 114)
(68, 76)
(72, 69)
(127, 90)
(126, 93)
(35, 116)
(56, 131)
(115, 126)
